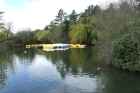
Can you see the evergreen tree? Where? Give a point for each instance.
(97, 10)
(60, 16)
(73, 17)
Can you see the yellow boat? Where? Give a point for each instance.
(77, 46)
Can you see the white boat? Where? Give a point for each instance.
(55, 46)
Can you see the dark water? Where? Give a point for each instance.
(71, 71)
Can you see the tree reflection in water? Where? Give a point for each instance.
(71, 71)
(75, 61)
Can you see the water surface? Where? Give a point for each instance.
(71, 71)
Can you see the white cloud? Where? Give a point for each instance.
(38, 13)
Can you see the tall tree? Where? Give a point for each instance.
(138, 4)
(73, 17)
(2, 28)
(60, 16)
(125, 7)
(89, 11)
(97, 10)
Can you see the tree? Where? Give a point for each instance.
(83, 32)
(9, 30)
(60, 16)
(46, 27)
(126, 52)
(125, 7)
(42, 36)
(97, 10)
(23, 37)
(88, 12)
(73, 17)
(3, 30)
(2, 27)
(138, 5)
(65, 29)
(111, 9)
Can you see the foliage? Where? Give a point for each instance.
(82, 34)
(73, 17)
(3, 36)
(56, 34)
(126, 52)
(42, 36)
(23, 37)
(83, 31)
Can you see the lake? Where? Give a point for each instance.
(70, 71)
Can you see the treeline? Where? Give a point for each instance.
(87, 27)
(114, 30)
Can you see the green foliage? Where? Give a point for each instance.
(3, 36)
(83, 32)
(89, 11)
(97, 10)
(77, 34)
(126, 52)
(23, 37)
(73, 17)
(42, 36)
(56, 34)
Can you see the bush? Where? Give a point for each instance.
(126, 52)
(42, 36)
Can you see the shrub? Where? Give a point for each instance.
(126, 52)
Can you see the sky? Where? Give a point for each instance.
(36, 14)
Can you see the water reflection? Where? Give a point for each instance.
(5, 61)
(72, 71)
(75, 61)
(41, 68)
(80, 84)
